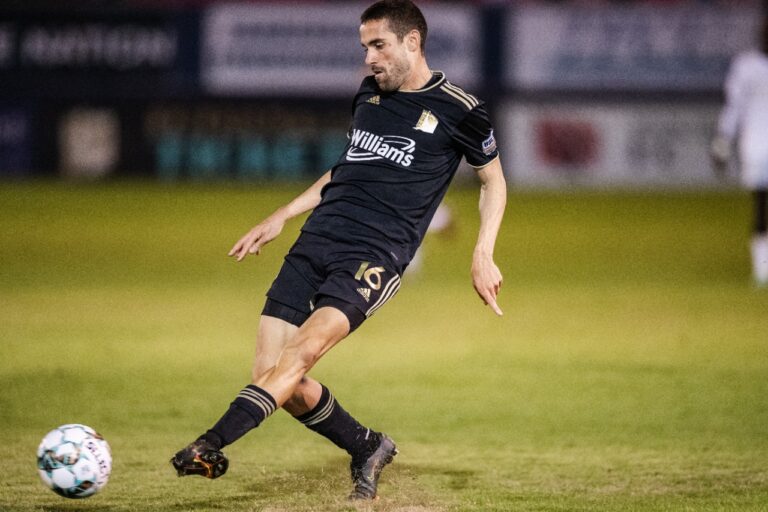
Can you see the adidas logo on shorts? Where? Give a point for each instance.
(365, 292)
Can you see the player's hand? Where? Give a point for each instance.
(486, 278)
(258, 237)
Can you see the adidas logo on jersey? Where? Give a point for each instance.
(375, 100)
(366, 293)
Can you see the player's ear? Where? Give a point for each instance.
(413, 40)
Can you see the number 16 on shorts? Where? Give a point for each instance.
(380, 286)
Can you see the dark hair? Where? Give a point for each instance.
(401, 15)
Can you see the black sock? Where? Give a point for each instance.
(330, 420)
(251, 406)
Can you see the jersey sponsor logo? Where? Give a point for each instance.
(489, 144)
(427, 122)
(366, 146)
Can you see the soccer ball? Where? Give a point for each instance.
(74, 461)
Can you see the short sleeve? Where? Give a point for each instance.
(474, 137)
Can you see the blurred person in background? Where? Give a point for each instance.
(744, 121)
(442, 224)
(410, 129)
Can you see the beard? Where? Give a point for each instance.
(393, 79)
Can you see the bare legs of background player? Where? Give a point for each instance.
(442, 223)
(760, 238)
(720, 150)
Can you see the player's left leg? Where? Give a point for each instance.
(760, 237)
(370, 450)
(316, 408)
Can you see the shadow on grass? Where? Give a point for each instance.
(78, 505)
(318, 488)
(453, 479)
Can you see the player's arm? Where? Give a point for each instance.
(486, 276)
(268, 229)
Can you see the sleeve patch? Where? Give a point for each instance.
(489, 144)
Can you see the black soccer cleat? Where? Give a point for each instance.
(365, 472)
(200, 458)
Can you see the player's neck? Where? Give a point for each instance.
(419, 78)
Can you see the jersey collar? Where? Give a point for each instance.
(438, 77)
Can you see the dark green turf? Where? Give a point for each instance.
(630, 371)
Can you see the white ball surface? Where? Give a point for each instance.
(74, 461)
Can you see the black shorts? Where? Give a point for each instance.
(320, 272)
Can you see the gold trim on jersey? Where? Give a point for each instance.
(464, 93)
(440, 81)
(458, 93)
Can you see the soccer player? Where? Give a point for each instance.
(410, 129)
(745, 117)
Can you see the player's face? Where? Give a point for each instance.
(385, 55)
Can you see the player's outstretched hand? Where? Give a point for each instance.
(256, 238)
(486, 278)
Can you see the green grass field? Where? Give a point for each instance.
(630, 371)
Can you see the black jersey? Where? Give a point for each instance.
(404, 148)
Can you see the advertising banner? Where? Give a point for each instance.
(97, 55)
(89, 143)
(244, 141)
(639, 47)
(314, 49)
(608, 145)
(15, 142)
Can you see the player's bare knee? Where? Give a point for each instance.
(298, 396)
(294, 401)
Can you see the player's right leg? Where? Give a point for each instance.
(251, 406)
(204, 456)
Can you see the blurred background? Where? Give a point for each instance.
(582, 93)
(628, 372)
